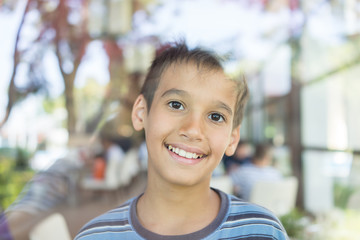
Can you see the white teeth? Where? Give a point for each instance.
(183, 153)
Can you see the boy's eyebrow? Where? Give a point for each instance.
(219, 104)
(174, 91)
(224, 106)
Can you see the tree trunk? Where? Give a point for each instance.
(12, 87)
(64, 32)
(70, 103)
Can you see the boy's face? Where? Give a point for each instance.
(189, 125)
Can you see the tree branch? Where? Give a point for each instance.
(12, 88)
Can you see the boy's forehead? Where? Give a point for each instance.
(178, 76)
(190, 70)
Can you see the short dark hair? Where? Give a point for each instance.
(179, 53)
(243, 143)
(261, 150)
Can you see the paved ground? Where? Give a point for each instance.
(87, 206)
(92, 205)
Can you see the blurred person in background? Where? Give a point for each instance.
(99, 166)
(111, 150)
(260, 168)
(242, 156)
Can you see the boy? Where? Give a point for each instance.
(191, 114)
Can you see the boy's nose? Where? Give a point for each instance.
(192, 127)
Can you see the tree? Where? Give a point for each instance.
(61, 28)
(74, 38)
(15, 93)
(57, 31)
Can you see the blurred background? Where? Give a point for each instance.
(71, 69)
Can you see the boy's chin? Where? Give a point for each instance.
(188, 182)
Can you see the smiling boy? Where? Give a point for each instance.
(191, 112)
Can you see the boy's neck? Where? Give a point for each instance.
(176, 210)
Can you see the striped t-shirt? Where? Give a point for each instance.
(236, 220)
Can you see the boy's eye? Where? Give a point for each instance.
(176, 105)
(216, 117)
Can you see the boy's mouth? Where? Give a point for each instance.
(183, 153)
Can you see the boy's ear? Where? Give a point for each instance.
(138, 113)
(234, 140)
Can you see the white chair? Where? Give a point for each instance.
(108, 183)
(53, 227)
(278, 196)
(117, 174)
(354, 201)
(223, 183)
(130, 167)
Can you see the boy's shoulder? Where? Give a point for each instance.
(252, 219)
(240, 209)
